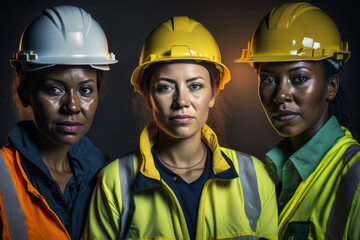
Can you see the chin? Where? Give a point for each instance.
(67, 140)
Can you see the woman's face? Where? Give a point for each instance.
(180, 97)
(295, 96)
(63, 101)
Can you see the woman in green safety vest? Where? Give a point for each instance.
(297, 52)
(181, 184)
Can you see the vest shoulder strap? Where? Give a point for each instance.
(349, 185)
(14, 213)
(126, 173)
(250, 188)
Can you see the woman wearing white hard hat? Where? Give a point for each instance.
(181, 184)
(47, 170)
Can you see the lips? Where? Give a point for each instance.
(69, 127)
(181, 118)
(286, 115)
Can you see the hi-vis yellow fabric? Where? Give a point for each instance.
(328, 200)
(231, 206)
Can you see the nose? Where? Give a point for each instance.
(181, 98)
(283, 92)
(71, 102)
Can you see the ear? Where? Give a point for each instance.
(333, 87)
(212, 101)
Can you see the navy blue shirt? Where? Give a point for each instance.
(188, 194)
(85, 159)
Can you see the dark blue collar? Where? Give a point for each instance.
(86, 158)
(144, 183)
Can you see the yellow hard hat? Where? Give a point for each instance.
(295, 32)
(179, 38)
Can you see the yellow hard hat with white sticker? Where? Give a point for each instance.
(295, 32)
(179, 38)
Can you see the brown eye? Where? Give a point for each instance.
(195, 86)
(300, 79)
(54, 91)
(267, 81)
(86, 91)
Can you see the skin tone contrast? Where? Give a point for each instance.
(63, 100)
(180, 97)
(295, 97)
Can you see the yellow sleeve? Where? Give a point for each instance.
(267, 225)
(354, 228)
(104, 215)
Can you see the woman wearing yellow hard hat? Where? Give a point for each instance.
(181, 184)
(297, 52)
(48, 170)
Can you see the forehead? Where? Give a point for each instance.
(65, 73)
(286, 67)
(181, 70)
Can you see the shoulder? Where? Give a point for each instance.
(245, 158)
(244, 162)
(110, 175)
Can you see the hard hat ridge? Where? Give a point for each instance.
(284, 15)
(295, 32)
(63, 35)
(179, 38)
(61, 15)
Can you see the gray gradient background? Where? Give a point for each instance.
(115, 128)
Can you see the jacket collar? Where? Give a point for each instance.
(308, 157)
(222, 167)
(86, 157)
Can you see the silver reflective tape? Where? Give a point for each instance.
(249, 186)
(351, 151)
(126, 172)
(14, 213)
(242, 238)
(340, 210)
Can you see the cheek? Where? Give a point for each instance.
(265, 95)
(160, 104)
(90, 105)
(44, 106)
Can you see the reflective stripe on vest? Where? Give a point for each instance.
(340, 211)
(126, 171)
(242, 238)
(249, 186)
(248, 181)
(14, 214)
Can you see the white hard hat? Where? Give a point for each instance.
(64, 35)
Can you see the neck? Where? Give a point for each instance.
(180, 152)
(54, 155)
(301, 139)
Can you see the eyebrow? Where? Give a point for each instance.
(173, 81)
(62, 82)
(290, 70)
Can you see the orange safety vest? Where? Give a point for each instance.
(24, 212)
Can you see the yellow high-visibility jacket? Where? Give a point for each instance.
(131, 201)
(326, 204)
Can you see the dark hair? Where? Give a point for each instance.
(338, 107)
(23, 81)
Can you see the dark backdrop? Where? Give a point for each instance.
(115, 128)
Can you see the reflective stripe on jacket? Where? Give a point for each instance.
(323, 206)
(131, 201)
(24, 212)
